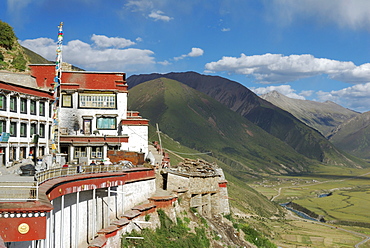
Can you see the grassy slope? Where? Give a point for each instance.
(285, 232)
(241, 195)
(199, 122)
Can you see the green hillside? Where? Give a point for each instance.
(242, 196)
(353, 136)
(277, 122)
(200, 122)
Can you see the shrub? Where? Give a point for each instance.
(7, 36)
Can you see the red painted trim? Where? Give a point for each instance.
(130, 122)
(93, 139)
(222, 184)
(25, 90)
(9, 229)
(45, 74)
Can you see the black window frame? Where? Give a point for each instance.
(13, 125)
(13, 104)
(23, 106)
(2, 126)
(42, 108)
(42, 130)
(23, 129)
(106, 128)
(64, 100)
(3, 100)
(33, 105)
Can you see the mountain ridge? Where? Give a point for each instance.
(280, 123)
(324, 117)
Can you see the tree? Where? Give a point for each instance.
(7, 36)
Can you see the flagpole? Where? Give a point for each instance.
(55, 145)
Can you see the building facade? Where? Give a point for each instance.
(92, 116)
(25, 118)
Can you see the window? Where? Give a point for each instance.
(97, 152)
(67, 101)
(13, 104)
(23, 106)
(22, 152)
(97, 101)
(33, 129)
(33, 107)
(13, 129)
(106, 123)
(50, 109)
(2, 126)
(23, 129)
(2, 102)
(80, 151)
(42, 108)
(42, 130)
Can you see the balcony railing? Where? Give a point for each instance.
(18, 191)
(77, 170)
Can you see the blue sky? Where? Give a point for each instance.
(309, 49)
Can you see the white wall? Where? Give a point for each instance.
(91, 215)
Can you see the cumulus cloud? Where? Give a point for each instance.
(95, 56)
(276, 68)
(344, 13)
(103, 41)
(195, 52)
(283, 89)
(159, 16)
(148, 8)
(225, 29)
(356, 97)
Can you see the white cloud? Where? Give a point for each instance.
(344, 13)
(139, 5)
(165, 62)
(89, 57)
(149, 8)
(225, 29)
(15, 6)
(276, 68)
(195, 52)
(283, 89)
(103, 41)
(159, 16)
(356, 97)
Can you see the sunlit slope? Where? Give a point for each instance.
(241, 196)
(200, 122)
(277, 122)
(353, 136)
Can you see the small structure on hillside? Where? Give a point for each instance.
(201, 183)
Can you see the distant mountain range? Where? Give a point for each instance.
(324, 117)
(283, 128)
(353, 136)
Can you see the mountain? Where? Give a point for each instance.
(35, 58)
(353, 136)
(260, 112)
(200, 122)
(324, 117)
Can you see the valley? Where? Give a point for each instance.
(345, 210)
